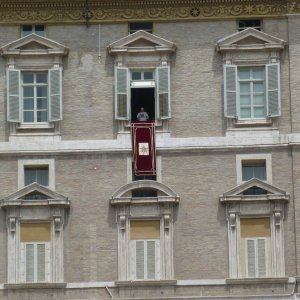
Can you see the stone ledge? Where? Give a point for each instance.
(146, 283)
(40, 285)
(268, 280)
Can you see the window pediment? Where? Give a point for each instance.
(35, 195)
(33, 45)
(265, 191)
(141, 41)
(250, 39)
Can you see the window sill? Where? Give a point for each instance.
(264, 280)
(255, 123)
(27, 126)
(146, 283)
(35, 285)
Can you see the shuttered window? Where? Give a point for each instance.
(255, 247)
(34, 97)
(252, 92)
(145, 250)
(35, 241)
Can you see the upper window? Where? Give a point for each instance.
(243, 24)
(136, 26)
(29, 29)
(252, 92)
(254, 168)
(39, 174)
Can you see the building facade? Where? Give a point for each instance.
(216, 213)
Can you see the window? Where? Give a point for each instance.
(35, 240)
(255, 250)
(145, 249)
(252, 92)
(136, 26)
(36, 170)
(243, 24)
(29, 29)
(38, 174)
(38, 100)
(250, 166)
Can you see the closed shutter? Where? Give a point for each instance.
(251, 257)
(230, 91)
(30, 262)
(261, 257)
(55, 94)
(140, 260)
(163, 102)
(121, 93)
(23, 262)
(13, 95)
(150, 259)
(273, 90)
(41, 262)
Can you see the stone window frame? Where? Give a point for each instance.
(267, 157)
(150, 208)
(23, 163)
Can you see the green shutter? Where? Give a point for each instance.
(55, 94)
(230, 91)
(121, 93)
(13, 95)
(273, 90)
(163, 102)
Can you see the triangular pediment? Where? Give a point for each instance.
(255, 188)
(34, 194)
(250, 39)
(33, 44)
(141, 41)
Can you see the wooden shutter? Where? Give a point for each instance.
(250, 246)
(261, 257)
(121, 93)
(273, 90)
(230, 91)
(55, 94)
(163, 102)
(13, 95)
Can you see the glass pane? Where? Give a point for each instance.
(148, 75)
(244, 74)
(40, 30)
(259, 112)
(136, 75)
(244, 87)
(258, 73)
(41, 91)
(41, 78)
(247, 173)
(26, 30)
(27, 78)
(42, 176)
(260, 172)
(245, 112)
(42, 103)
(245, 100)
(42, 116)
(258, 87)
(258, 99)
(28, 104)
(29, 175)
(28, 116)
(28, 91)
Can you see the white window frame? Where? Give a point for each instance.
(259, 157)
(23, 163)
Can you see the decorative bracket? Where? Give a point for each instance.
(12, 224)
(57, 223)
(277, 217)
(167, 222)
(232, 220)
(122, 222)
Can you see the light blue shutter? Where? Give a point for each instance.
(230, 91)
(163, 100)
(273, 90)
(121, 93)
(13, 95)
(55, 94)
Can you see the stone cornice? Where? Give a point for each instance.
(67, 11)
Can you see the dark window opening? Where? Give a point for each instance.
(255, 191)
(141, 177)
(143, 192)
(136, 26)
(256, 169)
(29, 29)
(35, 196)
(38, 174)
(243, 24)
(142, 97)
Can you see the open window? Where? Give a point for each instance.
(255, 229)
(143, 77)
(145, 231)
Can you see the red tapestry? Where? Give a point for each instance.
(143, 148)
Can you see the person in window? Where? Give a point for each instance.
(142, 116)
